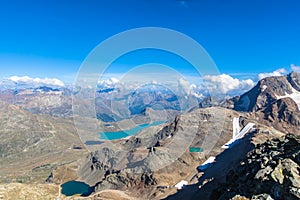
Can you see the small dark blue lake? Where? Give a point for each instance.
(75, 187)
(122, 134)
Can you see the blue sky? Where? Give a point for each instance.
(51, 38)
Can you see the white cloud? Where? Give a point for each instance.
(108, 83)
(225, 84)
(278, 72)
(295, 68)
(184, 86)
(36, 81)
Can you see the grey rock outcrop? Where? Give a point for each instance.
(270, 171)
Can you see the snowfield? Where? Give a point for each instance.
(295, 96)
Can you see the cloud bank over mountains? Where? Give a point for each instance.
(35, 82)
(227, 85)
(278, 72)
(222, 84)
(108, 83)
(295, 68)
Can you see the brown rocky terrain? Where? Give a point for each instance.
(145, 165)
(33, 145)
(158, 155)
(18, 191)
(283, 114)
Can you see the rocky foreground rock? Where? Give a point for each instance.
(270, 171)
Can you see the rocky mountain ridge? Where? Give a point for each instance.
(268, 90)
(275, 101)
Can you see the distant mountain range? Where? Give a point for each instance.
(39, 139)
(114, 100)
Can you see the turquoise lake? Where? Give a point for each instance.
(125, 133)
(75, 187)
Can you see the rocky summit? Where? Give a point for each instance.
(270, 171)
